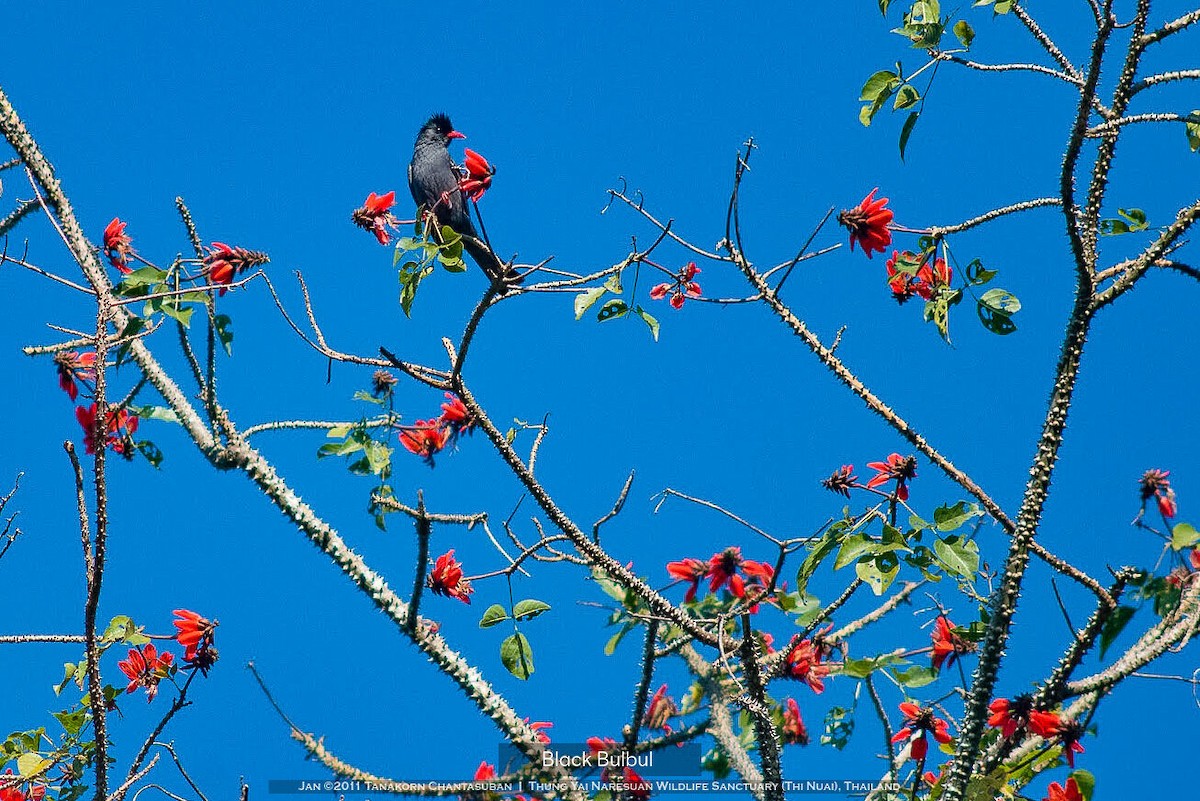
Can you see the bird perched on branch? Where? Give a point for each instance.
(435, 184)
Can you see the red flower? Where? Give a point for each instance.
(598, 745)
(681, 288)
(1052, 726)
(689, 570)
(456, 416)
(636, 788)
(723, 569)
(425, 439)
(898, 468)
(537, 727)
(803, 663)
(74, 366)
(479, 175)
(1156, 484)
(118, 246)
(223, 263)
(1056, 792)
(932, 278)
(447, 579)
(1008, 716)
(121, 425)
(918, 721)
(196, 635)
(660, 710)
(485, 772)
(10, 792)
(948, 645)
(794, 732)
(375, 216)
(146, 668)
(868, 223)
(841, 480)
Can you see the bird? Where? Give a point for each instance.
(434, 183)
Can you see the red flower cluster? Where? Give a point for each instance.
(429, 437)
(10, 788)
(479, 175)
(146, 667)
(223, 263)
(897, 468)
(918, 721)
(794, 732)
(805, 662)
(447, 579)
(1008, 716)
(375, 215)
(681, 288)
(1056, 792)
(1156, 484)
(947, 644)
(537, 727)
(1052, 726)
(72, 367)
(121, 425)
(660, 710)
(868, 223)
(196, 635)
(118, 246)
(924, 282)
(721, 570)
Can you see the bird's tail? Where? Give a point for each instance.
(489, 262)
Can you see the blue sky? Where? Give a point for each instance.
(273, 121)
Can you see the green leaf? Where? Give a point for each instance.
(612, 310)
(152, 453)
(883, 6)
(880, 83)
(492, 615)
(1184, 535)
(1192, 126)
(839, 725)
(1113, 626)
(853, 549)
(948, 518)
(411, 275)
(915, 676)
(529, 609)
(977, 275)
(585, 300)
(879, 572)
(649, 319)
(906, 97)
(613, 284)
(119, 629)
(958, 556)
(1131, 221)
(1001, 301)
(31, 764)
(517, 656)
(964, 32)
(906, 131)
(995, 309)
(828, 543)
(1086, 783)
(156, 413)
(861, 668)
(224, 327)
(610, 647)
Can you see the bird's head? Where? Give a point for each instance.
(438, 130)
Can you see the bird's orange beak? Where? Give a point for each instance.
(456, 135)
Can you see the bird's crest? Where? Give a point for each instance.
(441, 122)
